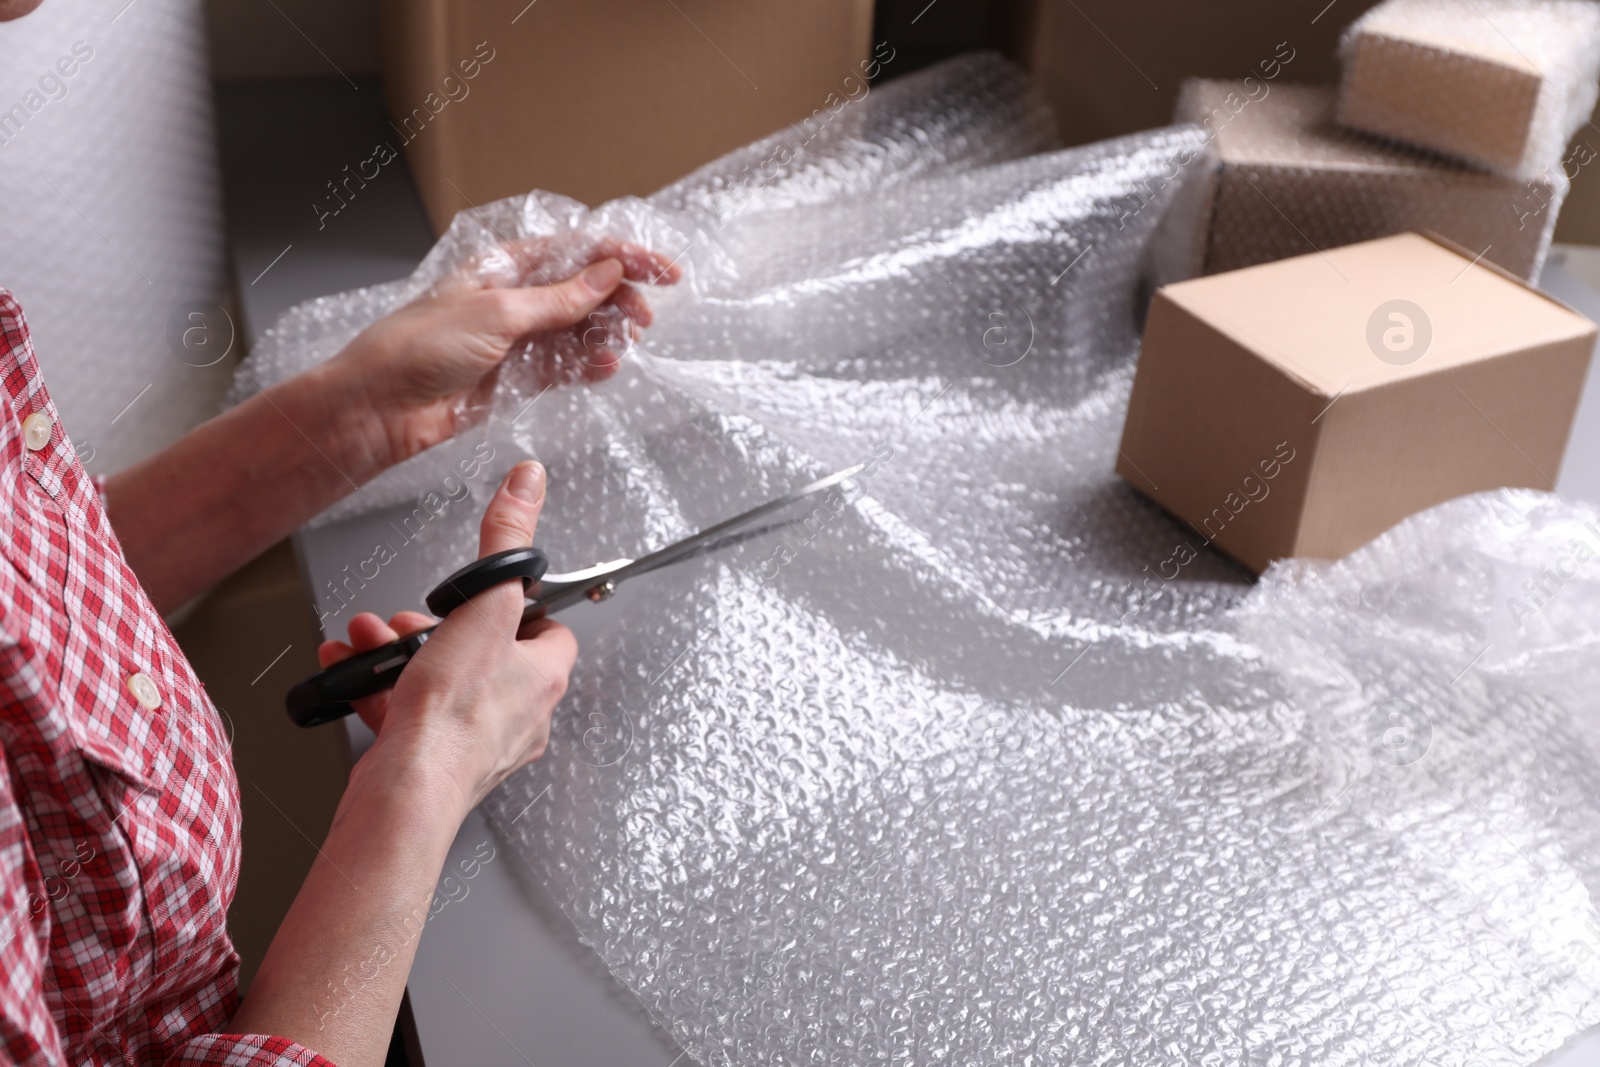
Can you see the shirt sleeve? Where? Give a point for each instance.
(245, 1050)
(28, 1032)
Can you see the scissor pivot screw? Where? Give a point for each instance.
(602, 591)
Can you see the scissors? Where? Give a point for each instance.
(328, 694)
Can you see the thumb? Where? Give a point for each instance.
(508, 522)
(513, 514)
(537, 308)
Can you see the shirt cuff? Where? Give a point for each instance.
(245, 1050)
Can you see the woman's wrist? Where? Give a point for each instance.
(330, 405)
(411, 770)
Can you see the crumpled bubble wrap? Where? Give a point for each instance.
(1503, 84)
(976, 764)
(973, 111)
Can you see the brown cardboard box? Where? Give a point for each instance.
(601, 98)
(1108, 69)
(1285, 180)
(1301, 408)
(1580, 212)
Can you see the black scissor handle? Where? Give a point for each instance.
(528, 564)
(328, 694)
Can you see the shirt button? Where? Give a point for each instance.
(144, 690)
(36, 430)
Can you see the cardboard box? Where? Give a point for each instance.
(1497, 83)
(598, 99)
(1475, 107)
(1109, 69)
(1284, 180)
(1301, 408)
(1580, 212)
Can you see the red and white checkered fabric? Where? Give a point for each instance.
(119, 824)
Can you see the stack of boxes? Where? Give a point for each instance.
(1451, 117)
(1335, 373)
(1284, 179)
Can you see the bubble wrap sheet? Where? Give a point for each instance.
(111, 211)
(979, 765)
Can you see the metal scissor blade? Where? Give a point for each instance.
(717, 544)
(557, 591)
(689, 545)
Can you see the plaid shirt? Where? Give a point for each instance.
(119, 809)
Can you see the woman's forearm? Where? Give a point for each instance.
(472, 707)
(334, 975)
(235, 485)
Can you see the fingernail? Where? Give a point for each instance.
(602, 277)
(526, 482)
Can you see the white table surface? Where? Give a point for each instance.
(500, 976)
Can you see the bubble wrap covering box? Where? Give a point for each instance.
(1500, 83)
(981, 765)
(1281, 179)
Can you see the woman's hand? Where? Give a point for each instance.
(194, 512)
(476, 700)
(418, 369)
(472, 706)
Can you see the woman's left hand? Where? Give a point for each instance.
(226, 491)
(415, 371)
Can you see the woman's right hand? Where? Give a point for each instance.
(474, 703)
